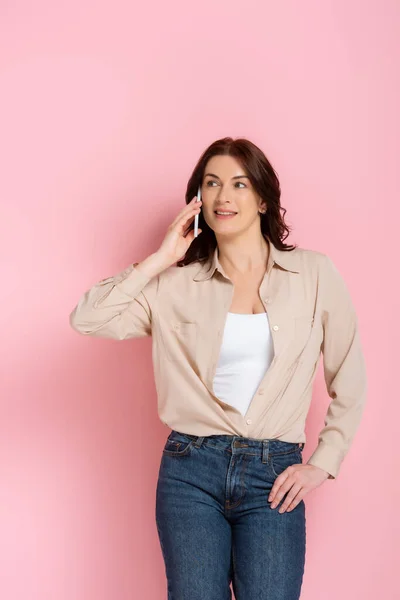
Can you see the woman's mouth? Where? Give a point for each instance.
(224, 214)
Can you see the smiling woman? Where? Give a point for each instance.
(236, 177)
(236, 390)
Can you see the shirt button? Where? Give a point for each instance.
(267, 300)
(176, 326)
(261, 391)
(275, 328)
(249, 421)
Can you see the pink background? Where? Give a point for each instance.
(105, 108)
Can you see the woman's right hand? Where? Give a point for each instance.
(175, 244)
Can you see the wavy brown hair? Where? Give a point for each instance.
(266, 184)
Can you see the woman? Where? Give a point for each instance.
(238, 326)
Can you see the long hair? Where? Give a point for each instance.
(266, 184)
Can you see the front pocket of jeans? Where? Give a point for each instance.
(177, 448)
(280, 462)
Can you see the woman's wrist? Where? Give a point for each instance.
(152, 265)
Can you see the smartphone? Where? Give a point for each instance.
(196, 218)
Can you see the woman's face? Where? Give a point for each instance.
(227, 188)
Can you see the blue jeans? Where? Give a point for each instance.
(215, 524)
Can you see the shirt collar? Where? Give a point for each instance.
(288, 260)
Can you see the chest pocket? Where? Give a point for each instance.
(303, 326)
(180, 340)
(300, 330)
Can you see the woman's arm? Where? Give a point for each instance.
(119, 307)
(344, 371)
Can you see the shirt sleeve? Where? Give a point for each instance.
(118, 307)
(344, 372)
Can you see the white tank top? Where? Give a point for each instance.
(246, 354)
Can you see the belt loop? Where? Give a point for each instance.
(265, 451)
(198, 441)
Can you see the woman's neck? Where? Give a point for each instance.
(243, 257)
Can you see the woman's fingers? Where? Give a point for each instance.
(185, 214)
(175, 243)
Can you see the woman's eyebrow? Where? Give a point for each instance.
(235, 177)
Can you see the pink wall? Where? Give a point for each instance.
(105, 108)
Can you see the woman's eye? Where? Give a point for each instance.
(238, 182)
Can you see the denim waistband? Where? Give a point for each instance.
(236, 443)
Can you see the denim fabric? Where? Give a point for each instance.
(215, 524)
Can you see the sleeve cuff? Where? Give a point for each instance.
(326, 458)
(131, 281)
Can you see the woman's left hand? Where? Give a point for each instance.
(298, 480)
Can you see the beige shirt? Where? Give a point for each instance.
(184, 310)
